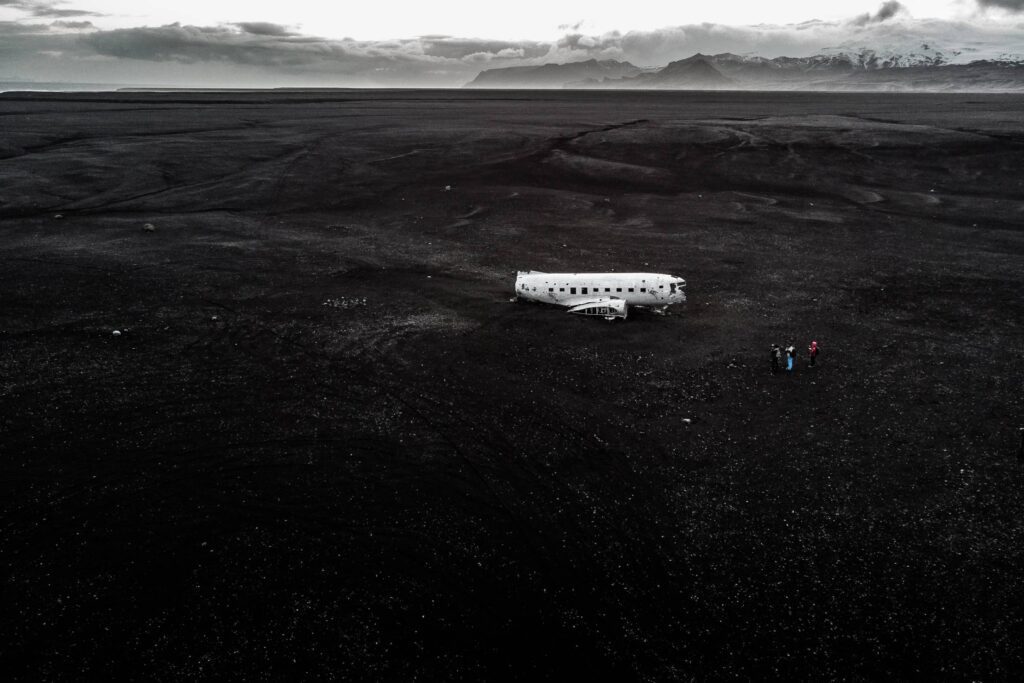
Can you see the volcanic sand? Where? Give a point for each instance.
(326, 444)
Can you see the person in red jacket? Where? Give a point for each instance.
(812, 350)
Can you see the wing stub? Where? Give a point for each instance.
(609, 309)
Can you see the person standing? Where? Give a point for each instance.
(812, 350)
(790, 357)
(776, 355)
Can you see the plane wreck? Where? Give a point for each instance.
(604, 295)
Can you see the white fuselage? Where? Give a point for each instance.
(574, 289)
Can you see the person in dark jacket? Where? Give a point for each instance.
(776, 356)
(812, 350)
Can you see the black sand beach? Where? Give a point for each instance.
(325, 444)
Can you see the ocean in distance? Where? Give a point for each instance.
(55, 86)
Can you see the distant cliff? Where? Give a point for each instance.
(692, 73)
(553, 75)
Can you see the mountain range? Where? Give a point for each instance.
(554, 75)
(922, 69)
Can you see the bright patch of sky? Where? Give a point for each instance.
(523, 19)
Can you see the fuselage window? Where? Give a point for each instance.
(672, 287)
(551, 289)
(643, 289)
(607, 289)
(631, 289)
(584, 290)
(618, 289)
(661, 286)
(561, 289)
(572, 290)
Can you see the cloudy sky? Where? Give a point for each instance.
(447, 42)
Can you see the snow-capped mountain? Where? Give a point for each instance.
(849, 58)
(922, 67)
(869, 58)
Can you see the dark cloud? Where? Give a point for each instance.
(20, 28)
(272, 54)
(264, 28)
(887, 11)
(1012, 5)
(192, 44)
(271, 46)
(28, 50)
(64, 13)
(13, 28)
(73, 25)
(44, 8)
